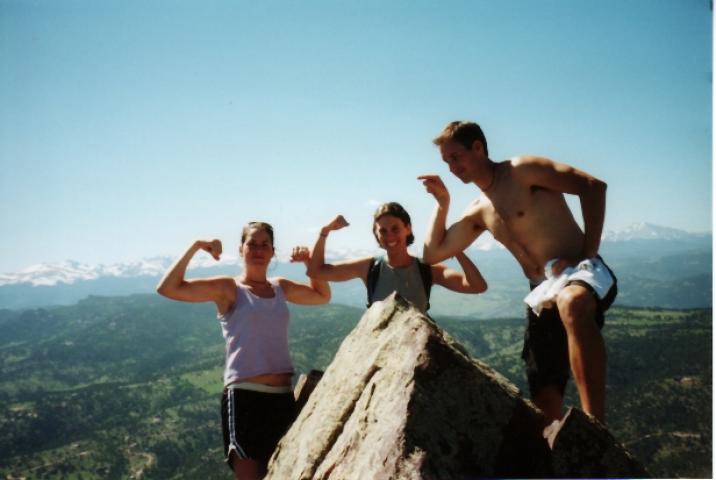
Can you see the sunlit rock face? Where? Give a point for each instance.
(402, 399)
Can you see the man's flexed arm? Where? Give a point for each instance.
(440, 243)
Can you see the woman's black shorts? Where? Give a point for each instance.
(254, 422)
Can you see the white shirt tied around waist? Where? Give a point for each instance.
(591, 271)
(256, 335)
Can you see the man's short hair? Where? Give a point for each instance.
(464, 133)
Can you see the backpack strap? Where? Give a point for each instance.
(426, 274)
(372, 278)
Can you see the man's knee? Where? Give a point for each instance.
(577, 306)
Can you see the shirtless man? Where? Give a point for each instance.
(523, 206)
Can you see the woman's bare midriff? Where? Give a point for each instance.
(272, 379)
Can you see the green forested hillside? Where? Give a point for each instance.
(116, 387)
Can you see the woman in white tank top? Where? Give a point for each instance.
(257, 405)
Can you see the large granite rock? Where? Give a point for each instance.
(584, 448)
(401, 399)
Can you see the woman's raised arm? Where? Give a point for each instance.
(317, 292)
(340, 271)
(217, 289)
(470, 280)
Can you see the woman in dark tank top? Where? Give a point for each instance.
(398, 270)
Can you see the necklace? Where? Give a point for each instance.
(257, 283)
(494, 173)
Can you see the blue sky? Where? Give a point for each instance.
(129, 128)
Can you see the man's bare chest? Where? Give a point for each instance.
(510, 210)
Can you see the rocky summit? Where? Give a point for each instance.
(403, 400)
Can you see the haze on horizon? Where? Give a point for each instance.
(128, 129)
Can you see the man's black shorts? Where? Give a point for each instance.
(254, 422)
(545, 344)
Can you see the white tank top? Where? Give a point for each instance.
(256, 335)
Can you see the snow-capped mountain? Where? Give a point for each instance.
(71, 271)
(485, 243)
(678, 273)
(636, 231)
(648, 231)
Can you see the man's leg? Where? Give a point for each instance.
(587, 354)
(546, 360)
(549, 400)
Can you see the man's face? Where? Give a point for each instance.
(460, 160)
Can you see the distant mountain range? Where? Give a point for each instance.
(72, 271)
(648, 231)
(656, 266)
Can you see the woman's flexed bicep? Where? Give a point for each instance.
(216, 289)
